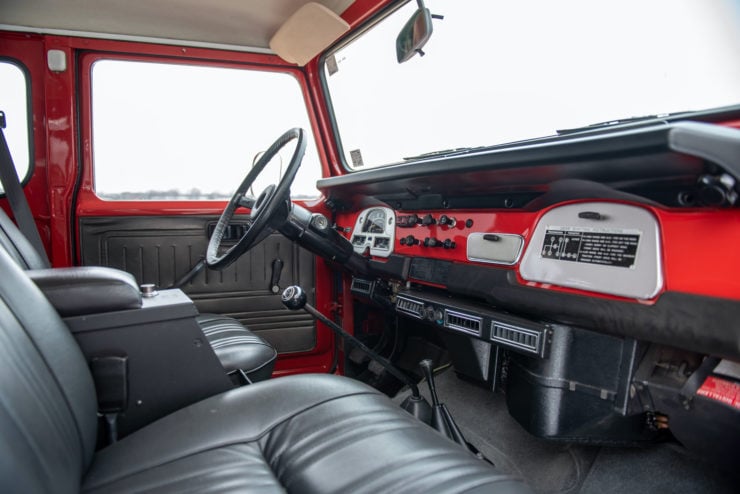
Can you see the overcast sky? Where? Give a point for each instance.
(13, 101)
(498, 71)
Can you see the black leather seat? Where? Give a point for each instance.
(239, 350)
(303, 434)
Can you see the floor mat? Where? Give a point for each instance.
(659, 469)
(557, 468)
(482, 416)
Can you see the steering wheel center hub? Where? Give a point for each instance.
(264, 198)
(266, 209)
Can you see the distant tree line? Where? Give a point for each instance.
(193, 194)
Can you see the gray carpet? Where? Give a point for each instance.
(660, 469)
(556, 468)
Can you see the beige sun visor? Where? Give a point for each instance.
(310, 30)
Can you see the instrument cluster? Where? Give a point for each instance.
(375, 232)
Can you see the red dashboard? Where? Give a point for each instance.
(696, 247)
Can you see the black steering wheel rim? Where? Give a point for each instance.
(264, 210)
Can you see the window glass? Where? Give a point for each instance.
(498, 71)
(183, 132)
(14, 102)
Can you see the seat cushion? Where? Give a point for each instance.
(237, 347)
(306, 434)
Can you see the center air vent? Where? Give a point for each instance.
(523, 339)
(463, 322)
(411, 307)
(475, 321)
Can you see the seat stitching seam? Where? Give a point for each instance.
(261, 366)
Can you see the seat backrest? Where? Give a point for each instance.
(16, 244)
(47, 397)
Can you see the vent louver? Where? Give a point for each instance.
(463, 322)
(408, 306)
(362, 286)
(520, 338)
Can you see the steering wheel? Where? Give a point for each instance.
(264, 210)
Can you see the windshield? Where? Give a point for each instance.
(500, 71)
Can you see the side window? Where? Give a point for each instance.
(14, 102)
(183, 132)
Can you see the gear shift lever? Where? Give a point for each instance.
(441, 418)
(294, 298)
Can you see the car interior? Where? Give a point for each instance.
(291, 246)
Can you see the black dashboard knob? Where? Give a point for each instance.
(468, 223)
(448, 244)
(432, 242)
(413, 219)
(429, 313)
(428, 220)
(409, 240)
(447, 220)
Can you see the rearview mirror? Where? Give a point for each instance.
(414, 35)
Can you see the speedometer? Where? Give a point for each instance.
(374, 222)
(374, 232)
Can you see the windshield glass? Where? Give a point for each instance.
(500, 71)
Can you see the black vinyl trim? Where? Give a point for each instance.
(666, 158)
(699, 323)
(75, 248)
(715, 143)
(394, 266)
(398, 184)
(564, 148)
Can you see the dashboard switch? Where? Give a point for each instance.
(449, 221)
(408, 221)
(448, 244)
(428, 220)
(432, 242)
(409, 240)
(468, 223)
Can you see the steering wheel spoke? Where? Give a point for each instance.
(246, 202)
(265, 210)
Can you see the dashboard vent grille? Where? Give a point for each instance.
(523, 339)
(463, 322)
(411, 307)
(362, 286)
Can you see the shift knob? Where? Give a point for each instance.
(427, 368)
(294, 298)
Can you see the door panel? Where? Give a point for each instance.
(151, 183)
(161, 249)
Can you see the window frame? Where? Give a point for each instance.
(29, 121)
(90, 203)
(337, 45)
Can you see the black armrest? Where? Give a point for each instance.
(87, 290)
